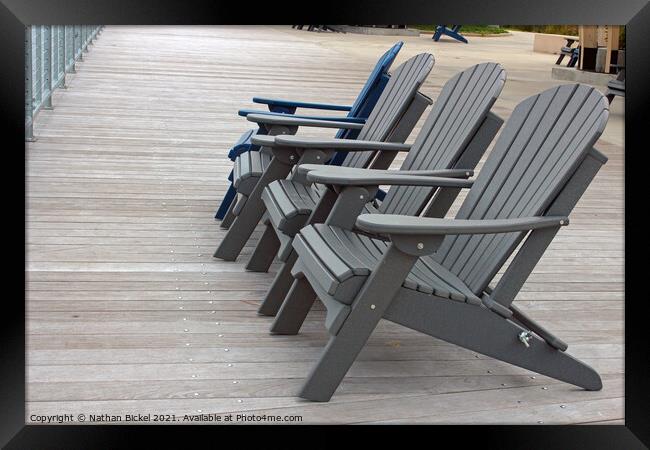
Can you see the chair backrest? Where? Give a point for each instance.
(460, 109)
(368, 96)
(375, 84)
(393, 103)
(546, 139)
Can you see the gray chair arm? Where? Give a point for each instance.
(263, 140)
(341, 144)
(303, 169)
(290, 121)
(408, 225)
(369, 177)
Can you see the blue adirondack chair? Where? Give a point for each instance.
(453, 32)
(357, 112)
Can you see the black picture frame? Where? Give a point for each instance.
(635, 14)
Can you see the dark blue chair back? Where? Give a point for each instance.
(367, 98)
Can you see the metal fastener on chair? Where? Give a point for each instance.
(525, 337)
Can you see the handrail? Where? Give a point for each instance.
(51, 52)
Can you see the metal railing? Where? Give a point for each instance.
(50, 53)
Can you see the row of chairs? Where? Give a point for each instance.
(315, 28)
(369, 256)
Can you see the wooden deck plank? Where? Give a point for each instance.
(122, 183)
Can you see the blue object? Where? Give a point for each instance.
(246, 112)
(357, 112)
(289, 104)
(453, 32)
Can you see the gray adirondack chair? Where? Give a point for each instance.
(452, 140)
(434, 275)
(392, 119)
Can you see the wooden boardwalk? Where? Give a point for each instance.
(129, 313)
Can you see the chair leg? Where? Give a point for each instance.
(265, 251)
(295, 308)
(279, 288)
(250, 215)
(283, 279)
(367, 309)
(334, 363)
(228, 198)
(229, 217)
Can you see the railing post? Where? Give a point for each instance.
(86, 37)
(37, 65)
(77, 43)
(47, 67)
(69, 49)
(61, 53)
(29, 101)
(55, 54)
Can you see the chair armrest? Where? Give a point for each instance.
(290, 120)
(247, 112)
(295, 104)
(263, 140)
(447, 173)
(409, 225)
(341, 144)
(369, 177)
